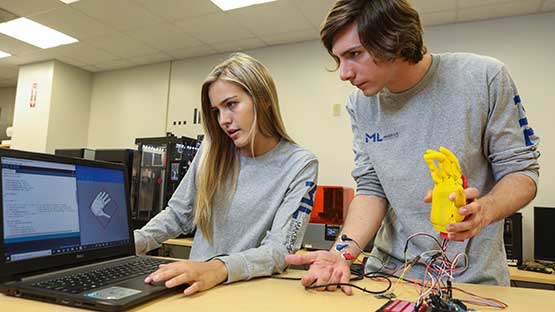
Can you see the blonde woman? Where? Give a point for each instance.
(249, 191)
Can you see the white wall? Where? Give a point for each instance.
(70, 107)
(127, 104)
(306, 91)
(186, 78)
(31, 123)
(131, 103)
(7, 104)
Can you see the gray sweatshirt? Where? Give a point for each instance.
(467, 103)
(255, 228)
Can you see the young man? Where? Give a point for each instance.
(409, 101)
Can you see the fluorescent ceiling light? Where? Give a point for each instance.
(68, 1)
(227, 5)
(34, 33)
(4, 54)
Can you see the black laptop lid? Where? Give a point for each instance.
(58, 211)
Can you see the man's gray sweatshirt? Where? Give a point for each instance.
(263, 221)
(470, 105)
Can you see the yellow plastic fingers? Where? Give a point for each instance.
(447, 179)
(437, 175)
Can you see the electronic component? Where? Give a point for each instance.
(538, 268)
(401, 306)
(389, 296)
(437, 303)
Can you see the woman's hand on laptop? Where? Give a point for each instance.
(199, 275)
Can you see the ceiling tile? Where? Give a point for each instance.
(70, 61)
(85, 53)
(122, 33)
(39, 56)
(164, 36)
(271, 18)
(214, 28)
(289, 37)
(192, 52)
(238, 45)
(499, 10)
(14, 46)
(548, 5)
(173, 10)
(315, 10)
(47, 55)
(438, 18)
(117, 64)
(24, 59)
(151, 59)
(121, 45)
(427, 6)
(91, 68)
(120, 14)
(8, 61)
(72, 22)
(29, 7)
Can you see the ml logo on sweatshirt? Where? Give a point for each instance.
(376, 137)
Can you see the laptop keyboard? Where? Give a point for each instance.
(83, 281)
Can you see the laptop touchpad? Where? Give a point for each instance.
(112, 293)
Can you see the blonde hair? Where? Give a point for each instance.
(219, 164)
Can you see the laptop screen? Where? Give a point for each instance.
(52, 208)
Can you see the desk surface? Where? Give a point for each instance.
(532, 277)
(186, 241)
(267, 294)
(516, 274)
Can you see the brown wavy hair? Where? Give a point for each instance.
(388, 29)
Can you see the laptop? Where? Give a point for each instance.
(66, 234)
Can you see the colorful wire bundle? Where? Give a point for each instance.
(434, 286)
(439, 271)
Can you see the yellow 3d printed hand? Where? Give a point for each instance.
(448, 179)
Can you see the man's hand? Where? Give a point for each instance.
(199, 275)
(326, 267)
(474, 216)
(448, 180)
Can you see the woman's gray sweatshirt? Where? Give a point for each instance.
(263, 221)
